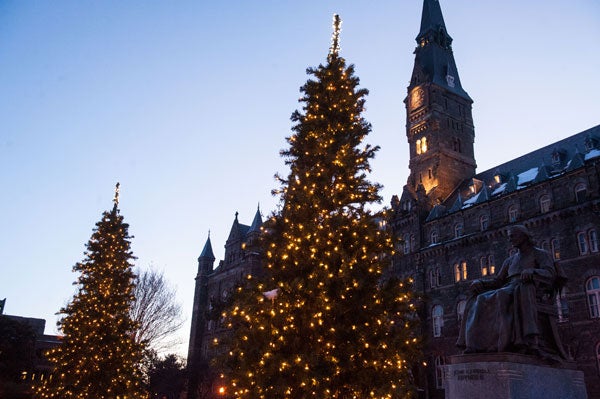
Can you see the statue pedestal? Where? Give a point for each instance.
(510, 376)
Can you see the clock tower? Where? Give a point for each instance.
(439, 123)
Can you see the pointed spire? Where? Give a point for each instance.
(431, 18)
(235, 228)
(334, 50)
(434, 60)
(207, 252)
(257, 222)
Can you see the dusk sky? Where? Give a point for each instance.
(187, 104)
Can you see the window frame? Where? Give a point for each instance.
(592, 295)
(484, 222)
(513, 213)
(545, 203)
(593, 241)
(580, 191)
(437, 320)
(582, 242)
(459, 230)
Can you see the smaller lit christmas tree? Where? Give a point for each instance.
(98, 358)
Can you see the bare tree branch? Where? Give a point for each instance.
(155, 310)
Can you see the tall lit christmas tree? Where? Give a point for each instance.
(98, 357)
(326, 321)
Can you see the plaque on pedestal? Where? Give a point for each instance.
(510, 376)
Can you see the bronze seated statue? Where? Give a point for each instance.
(515, 311)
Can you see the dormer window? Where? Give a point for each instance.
(556, 158)
(497, 178)
(590, 143)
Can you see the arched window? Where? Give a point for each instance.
(582, 243)
(418, 146)
(491, 264)
(484, 222)
(593, 240)
(555, 244)
(460, 271)
(460, 309)
(580, 192)
(437, 317)
(562, 305)
(592, 291)
(406, 244)
(434, 277)
(484, 266)
(458, 230)
(424, 145)
(513, 213)
(544, 203)
(434, 237)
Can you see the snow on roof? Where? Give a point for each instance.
(527, 176)
(592, 154)
(471, 200)
(500, 189)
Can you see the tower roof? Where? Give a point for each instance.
(207, 252)
(434, 60)
(257, 222)
(431, 17)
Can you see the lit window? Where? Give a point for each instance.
(491, 264)
(545, 203)
(592, 290)
(582, 243)
(484, 222)
(439, 372)
(458, 230)
(513, 212)
(484, 266)
(497, 178)
(434, 237)
(437, 316)
(424, 145)
(418, 146)
(555, 244)
(593, 240)
(580, 192)
(460, 309)
(460, 271)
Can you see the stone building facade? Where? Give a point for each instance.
(213, 286)
(451, 223)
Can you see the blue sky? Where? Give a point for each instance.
(187, 104)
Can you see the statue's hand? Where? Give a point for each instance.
(527, 275)
(476, 287)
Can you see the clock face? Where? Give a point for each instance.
(417, 97)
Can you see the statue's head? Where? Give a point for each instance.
(519, 234)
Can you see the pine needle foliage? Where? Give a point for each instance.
(324, 322)
(98, 357)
